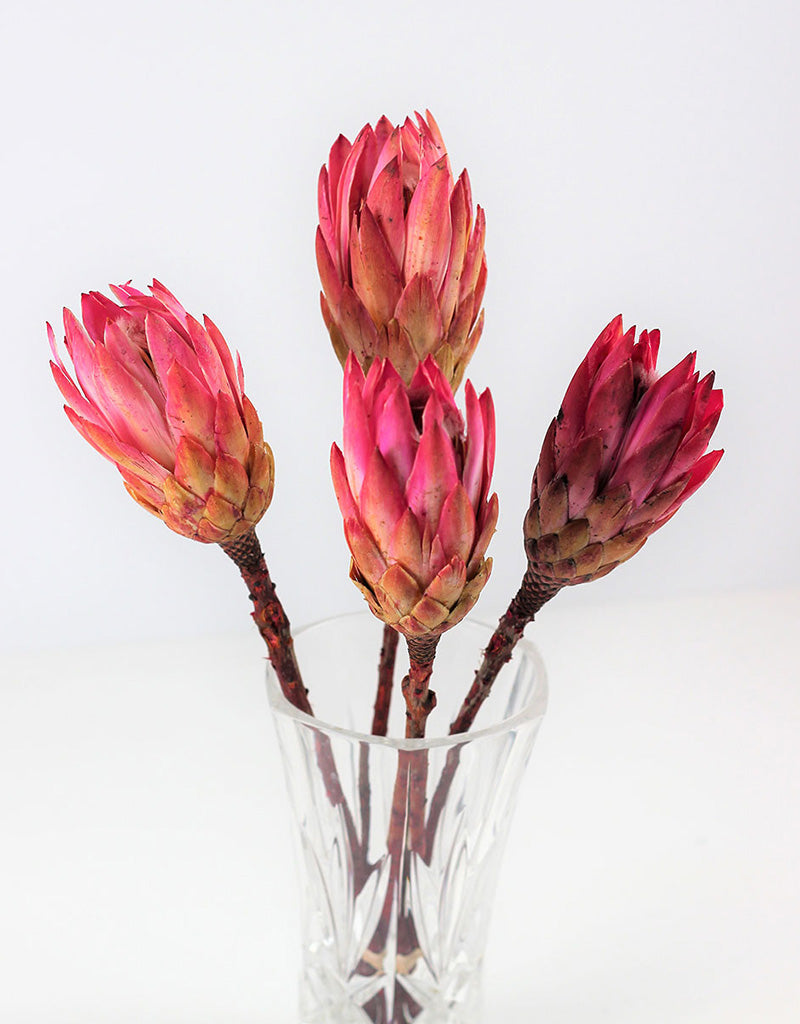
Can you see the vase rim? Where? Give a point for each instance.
(533, 710)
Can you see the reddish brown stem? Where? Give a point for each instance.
(531, 596)
(383, 699)
(420, 699)
(273, 625)
(269, 615)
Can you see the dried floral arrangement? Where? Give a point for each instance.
(400, 252)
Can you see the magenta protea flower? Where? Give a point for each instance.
(401, 262)
(413, 489)
(159, 395)
(624, 453)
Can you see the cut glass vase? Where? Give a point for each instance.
(400, 841)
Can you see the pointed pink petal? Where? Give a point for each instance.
(191, 410)
(418, 312)
(119, 344)
(166, 347)
(328, 274)
(385, 202)
(344, 495)
(74, 398)
(581, 467)
(490, 433)
(327, 217)
(703, 469)
(381, 500)
(474, 460)
(165, 296)
(230, 435)
(434, 473)
(95, 312)
(397, 435)
(226, 359)
(356, 326)
(376, 276)
(643, 468)
(460, 216)
(338, 154)
(473, 261)
(648, 408)
(428, 228)
(123, 455)
(358, 439)
(457, 523)
(130, 409)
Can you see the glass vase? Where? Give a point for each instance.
(400, 841)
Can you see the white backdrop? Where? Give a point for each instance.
(634, 158)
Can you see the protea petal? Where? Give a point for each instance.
(418, 313)
(428, 227)
(376, 275)
(434, 473)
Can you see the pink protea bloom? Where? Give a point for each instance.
(624, 453)
(158, 394)
(413, 489)
(400, 258)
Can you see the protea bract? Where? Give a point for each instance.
(624, 453)
(158, 394)
(400, 257)
(413, 489)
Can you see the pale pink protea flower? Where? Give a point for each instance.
(624, 453)
(413, 490)
(400, 259)
(158, 394)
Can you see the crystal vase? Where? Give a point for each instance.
(400, 841)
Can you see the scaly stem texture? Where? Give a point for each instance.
(420, 699)
(383, 699)
(269, 616)
(531, 596)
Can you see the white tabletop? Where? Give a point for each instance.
(652, 874)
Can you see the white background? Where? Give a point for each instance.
(631, 157)
(634, 158)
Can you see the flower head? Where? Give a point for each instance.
(624, 453)
(158, 394)
(400, 259)
(413, 489)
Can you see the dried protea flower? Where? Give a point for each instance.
(624, 453)
(413, 489)
(400, 258)
(158, 394)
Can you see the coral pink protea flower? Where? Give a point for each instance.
(624, 453)
(158, 394)
(413, 489)
(401, 261)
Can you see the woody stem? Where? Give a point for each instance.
(380, 720)
(420, 699)
(531, 596)
(269, 616)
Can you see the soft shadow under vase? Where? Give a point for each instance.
(400, 840)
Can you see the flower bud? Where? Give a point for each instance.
(413, 489)
(158, 394)
(624, 453)
(400, 258)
